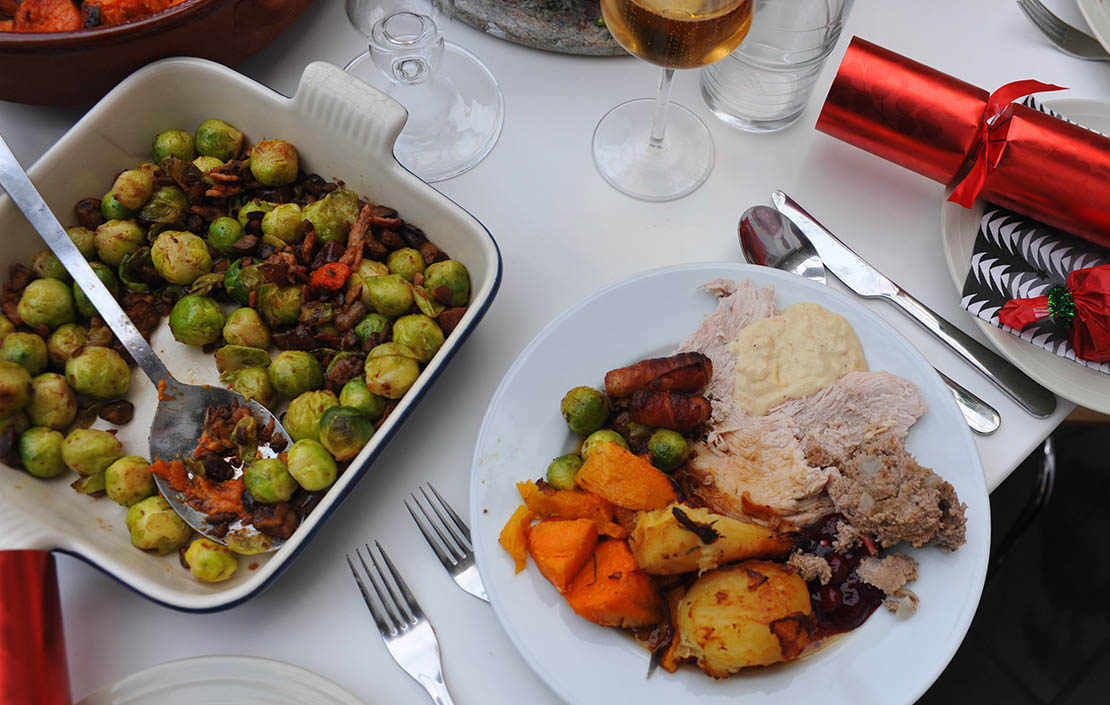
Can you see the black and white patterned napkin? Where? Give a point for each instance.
(1016, 257)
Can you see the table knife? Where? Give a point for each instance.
(868, 282)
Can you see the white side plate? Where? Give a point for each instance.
(1097, 14)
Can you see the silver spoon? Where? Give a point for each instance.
(769, 238)
(179, 418)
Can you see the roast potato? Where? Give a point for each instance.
(754, 613)
(664, 544)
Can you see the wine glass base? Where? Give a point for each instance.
(626, 159)
(455, 117)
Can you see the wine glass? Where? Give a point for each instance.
(455, 105)
(640, 147)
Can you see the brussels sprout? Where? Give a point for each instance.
(254, 383)
(223, 233)
(15, 387)
(637, 435)
(88, 451)
(129, 480)
(391, 369)
(173, 143)
(247, 542)
(180, 257)
(18, 422)
(254, 210)
(196, 320)
(284, 222)
(245, 327)
(40, 451)
(268, 480)
(390, 294)
(112, 209)
(98, 372)
(215, 138)
(372, 323)
(603, 436)
(668, 449)
(137, 271)
(241, 277)
(344, 431)
(232, 358)
(154, 525)
(585, 410)
(106, 276)
(561, 471)
(6, 327)
(274, 163)
(133, 188)
(46, 265)
(53, 404)
(116, 239)
(90, 484)
(47, 302)
(371, 268)
(449, 282)
(333, 215)
(311, 465)
(405, 262)
(207, 164)
(245, 437)
(84, 239)
(210, 562)
(168, 206)
(357, 395)
(294, 372)
(279, 305)
(26, 349)
(302, 419)
(420, 333)
(426, 303)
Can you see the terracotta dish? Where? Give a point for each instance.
(65, 68)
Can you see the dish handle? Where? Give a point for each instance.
(327, 94)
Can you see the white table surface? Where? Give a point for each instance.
(564, 233)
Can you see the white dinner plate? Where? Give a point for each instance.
(959, 227)
(885, 662)
(1097, 14)
(223, 680)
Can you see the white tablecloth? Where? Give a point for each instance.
(563, 233)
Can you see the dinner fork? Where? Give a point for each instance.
(1068, 39)
(449, 537)
(407, 633)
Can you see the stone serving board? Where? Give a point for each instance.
(564, 26)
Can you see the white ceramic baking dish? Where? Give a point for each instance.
(344, 130)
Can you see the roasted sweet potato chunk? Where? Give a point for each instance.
(549, 502)
(47, 16)
(625, 479)
(514, 537)
(612, 591)
(560, 547)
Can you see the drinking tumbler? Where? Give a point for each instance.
(764, 85)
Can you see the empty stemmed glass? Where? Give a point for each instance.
(640, 147)
(454, 103)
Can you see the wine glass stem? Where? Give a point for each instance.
(662, 100)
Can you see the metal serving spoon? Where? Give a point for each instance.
(179, 419)
(769, 238)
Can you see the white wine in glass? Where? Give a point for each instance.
(640, 147)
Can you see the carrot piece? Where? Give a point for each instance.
(612, 591)
(549, 502)
(7, 25)
(560, 547)
(514, 537)
(331, 276)
(47, 16)
(625, 479)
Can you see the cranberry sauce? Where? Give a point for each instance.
(846, 601)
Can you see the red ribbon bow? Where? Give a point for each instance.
(989, 150)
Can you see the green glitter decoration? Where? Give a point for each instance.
(1061, 305)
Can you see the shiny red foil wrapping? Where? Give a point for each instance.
(1089, 332)
(955, 133)
(32, 648)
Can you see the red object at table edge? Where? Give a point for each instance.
(958, 134)
(1089, 329)
(32, 646)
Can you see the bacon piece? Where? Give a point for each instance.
(679, 412)
(352, 257)
(684, 372)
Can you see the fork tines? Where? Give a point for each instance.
(1068, 39)
(396, 610)
(453, 546)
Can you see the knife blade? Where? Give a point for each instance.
(862, 278)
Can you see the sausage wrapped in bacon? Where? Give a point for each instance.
(684, 372)
(679, 412)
